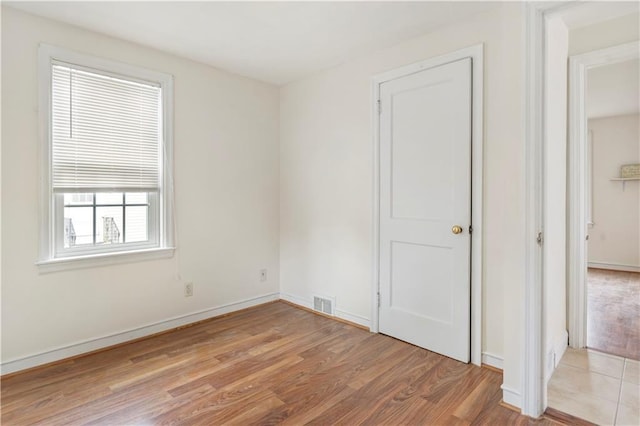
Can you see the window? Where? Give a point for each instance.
(107, 180)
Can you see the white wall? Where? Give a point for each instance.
(326, 178)
(226, 135)
(554, 253)
(604, 34)
(226, 196)
(613, 89)
(614, 238)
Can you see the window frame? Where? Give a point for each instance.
(52, 255)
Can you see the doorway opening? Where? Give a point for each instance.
(551, 309)
(596, 379)
(612, 107)
(604, 210)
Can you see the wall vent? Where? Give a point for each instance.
(324, 304)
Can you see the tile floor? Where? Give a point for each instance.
(598, 387)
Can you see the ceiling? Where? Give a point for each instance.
(276, 42)
(592, 12)
(613, 89)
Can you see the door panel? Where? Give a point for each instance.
(415, 281)
(415, 114)
(425, 189)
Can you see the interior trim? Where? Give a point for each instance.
(89, 346)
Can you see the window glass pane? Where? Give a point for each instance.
(78, 199)
(137, 198)
(108, 225)
(78, 226)
(109, 229)
(109, 198)
(137, 228)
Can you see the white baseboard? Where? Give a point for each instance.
(91, 345)
(492, 360)
(558, 348)
(347, 316)
(356, 319)
(296, 300)
(614, 266)
(117, 338)
(511, 396)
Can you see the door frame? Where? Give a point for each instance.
(476, 54)
(578, 173)
(537, 14)
(531, 400)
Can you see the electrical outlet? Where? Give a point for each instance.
(263, 274)
(188, 289)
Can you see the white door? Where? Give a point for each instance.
(425, 194)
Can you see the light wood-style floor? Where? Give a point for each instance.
(267, 365)
(613, 312)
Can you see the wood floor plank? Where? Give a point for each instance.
(613, 312)
(307, 409)
(272, 364)
(140, 415)
(375, 393)
(476, 401)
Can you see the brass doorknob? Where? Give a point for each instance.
(456, 229)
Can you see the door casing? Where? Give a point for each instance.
(476, 55)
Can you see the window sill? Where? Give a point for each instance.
(103, 259)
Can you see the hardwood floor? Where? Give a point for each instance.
(270, 364)
(613, 312)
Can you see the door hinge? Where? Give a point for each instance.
(378, 299)
(540, 239)
(470, 229)
(379, 107)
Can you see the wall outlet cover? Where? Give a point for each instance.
(188, 289)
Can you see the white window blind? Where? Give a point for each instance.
(106, 132)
